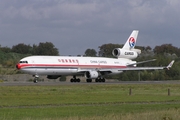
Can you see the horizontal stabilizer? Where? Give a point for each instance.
(141, 62)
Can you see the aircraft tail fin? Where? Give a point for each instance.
(131, 41)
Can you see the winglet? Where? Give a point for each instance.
(170, 65)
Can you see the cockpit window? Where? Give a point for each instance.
(23, 62)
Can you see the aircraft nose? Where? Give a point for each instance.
(18, 66)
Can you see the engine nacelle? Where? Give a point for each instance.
(122, 53)
(53, 76)
(91, 74)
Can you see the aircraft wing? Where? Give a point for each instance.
(115, 70)
(138, 68)
(149, 68)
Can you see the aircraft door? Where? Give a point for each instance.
(34, 69)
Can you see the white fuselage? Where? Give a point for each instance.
(65, 65)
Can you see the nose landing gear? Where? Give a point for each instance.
(35, 78)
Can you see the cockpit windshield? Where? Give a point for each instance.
(23, 62)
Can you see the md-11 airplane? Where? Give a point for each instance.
(90, 67)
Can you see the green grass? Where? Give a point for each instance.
(79, 111)
(71, 102)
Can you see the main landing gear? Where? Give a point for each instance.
(74, 79)
(88, 80)
(99, 79)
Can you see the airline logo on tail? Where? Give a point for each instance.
(132, 42)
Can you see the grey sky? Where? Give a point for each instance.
(76, 25)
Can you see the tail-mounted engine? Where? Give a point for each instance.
(123, 53)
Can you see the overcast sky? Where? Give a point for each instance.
(76, 25)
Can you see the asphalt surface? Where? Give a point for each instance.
(52, 83)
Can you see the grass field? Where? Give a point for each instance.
(94, 102)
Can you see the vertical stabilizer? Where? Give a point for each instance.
(131, 41)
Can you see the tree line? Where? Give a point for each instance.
(105, 50)
(46, 48)
(10, 56)
(163, 55)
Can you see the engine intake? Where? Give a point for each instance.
(91, 74)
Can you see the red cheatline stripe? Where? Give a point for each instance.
(68, 65)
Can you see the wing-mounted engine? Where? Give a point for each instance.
(123, 53)
(91, 74)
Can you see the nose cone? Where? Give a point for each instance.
(18, 66)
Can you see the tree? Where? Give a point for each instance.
(90, 52)
(22, 48)
(166, 48)
(106, 49)
(45, 49)
(5, 49)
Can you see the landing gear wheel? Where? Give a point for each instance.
(78, 80)
(103, 80)
(100, 80)
(88, 80)
(35, 80)
(97, 79)
(74, 79)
